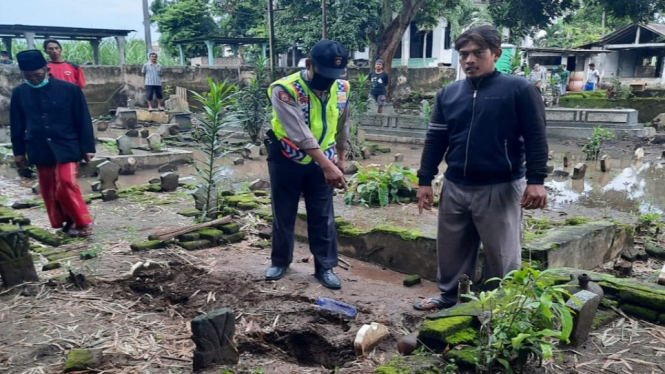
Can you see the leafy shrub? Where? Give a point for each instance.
(375, 184)
(593, 145)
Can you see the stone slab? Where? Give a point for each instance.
(213, 335)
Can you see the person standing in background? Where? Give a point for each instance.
(153, 81)
(61, 69)
(593, 78)
(379, 80)
(565, 75)
(4, 58)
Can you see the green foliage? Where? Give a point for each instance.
(242, 18)
(426, 112)
(181, 19)
(619, 90)
(372, 185)
(111, 147)
(252, 101)
(358, 103)
(80, 52)
(649, 224)
(593, 145)
(215, 105)
(523, 320)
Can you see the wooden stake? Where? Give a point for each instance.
(171, 233)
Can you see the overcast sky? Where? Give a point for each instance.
(103, 14)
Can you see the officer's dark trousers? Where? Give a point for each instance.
(288, 180)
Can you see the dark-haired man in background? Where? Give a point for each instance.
(487, 126)
(4, 58)
(61, 69)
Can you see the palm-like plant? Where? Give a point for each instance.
(217, 107)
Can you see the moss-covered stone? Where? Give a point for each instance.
(260, 193)
(237, 199)
(8, 228)
(79, 360)
(246, 205)
(189, 237)
(609, 303)
(463, 358)
(60, 256)
(405, 234)
(265, 214)
(264, 200)
(154, 188)
(382, 149)
(192, 212)
(213, 235)
(262, 244)
(227, 193)
(234, 238)
(575, 221)
(230, 228)
(435, 332)
(466, 336)
(647, 314)
(228, 211)
(51, 266)
(22, 221)
(6, 219)
(602, 318)
(44, 236)
(147, 245)
(655, 251)
(196, 244)
(416, 364)
(411, 280)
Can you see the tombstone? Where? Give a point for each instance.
(200, 196)
(35, 188)
(108, 173)
(238, 161)
(259, 184)
(124, 145)
(567, 159)
(351, 168)
(145, 133)
(251, 152)
(585, 311)
(399, 157)
(605, 163)
(155, 142)
(96, 186)
(213, 335)
(579, 171)
(168, 130)
(133, 133)
(367, 153)
(169, 181)
(16, 266)
(183, 120)
(639, 154)
(361, 136)
(102, 126)
(110, 194)
(127, 119)
(129, 166)
(167, 168)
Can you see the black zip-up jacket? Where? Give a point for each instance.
(487, 128)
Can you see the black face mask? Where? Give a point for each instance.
(321, 83)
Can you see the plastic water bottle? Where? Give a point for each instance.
(337, 307)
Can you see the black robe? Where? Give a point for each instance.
(50, 124)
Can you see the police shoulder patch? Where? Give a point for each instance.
(284, 96)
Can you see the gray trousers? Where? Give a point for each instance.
(469, 215)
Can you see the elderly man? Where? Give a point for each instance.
(51, 129)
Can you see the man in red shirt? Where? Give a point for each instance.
(61, 69)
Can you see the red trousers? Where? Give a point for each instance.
(62, 195)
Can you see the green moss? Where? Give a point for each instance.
(412, 280)
(655, 251)
(302, 216)
(51, 266)
(247, 205)
(60, 256)
(150, 244)
(382, 149)
(602, 318)
(347, 229)
(8, 228)
(265, 214)
(78, 359)
(415, 364)
(44, 236)
(230, 228)
(228, 211)
(647, 314)
(237, 199)
(234, 238)
(642, 297)
(189, 237)
(437, 331)
(341, 222)
(647, 107)
(575, 221)
(466, 336)
(227, 193)
(609, 303)
(155, 188)
(262, 244)
(192, 212)
(212, 235)
(6, 219)
(260, 193)
(405, 234)
(196, 244)
(464, 358)
(22, 221)
(264, 200)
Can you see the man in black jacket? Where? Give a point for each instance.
(487, 126)
(50, 124)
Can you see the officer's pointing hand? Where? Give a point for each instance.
(334, 176)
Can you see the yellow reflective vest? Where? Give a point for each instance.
(321, 116)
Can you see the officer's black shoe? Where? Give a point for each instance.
(275, 272)
(328, 279)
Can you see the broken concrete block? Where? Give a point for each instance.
(259, 184)
(213, 335)
(367, 153)
(129, 167)
(168, 130)
(169, 181)
(238, 161)
(108, 173)
(96, 186)
(167, 168)
(102, 126)
(399, 157)
(585, 311)
(124, 144)
(133, 133)
(251, 152)
(368, 337)
(567, 159)
(639, 154)
(127, 119)
(605, 163)
(108, 195)
(155, 142)
(579, 171)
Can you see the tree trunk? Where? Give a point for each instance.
(392, 34)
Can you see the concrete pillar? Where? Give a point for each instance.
(121, 49)
(95, 51)
(30, 38)
(182, 55)
(7, 41)
(406, 46)
(234, 48)
(211, 59)
(263, 50)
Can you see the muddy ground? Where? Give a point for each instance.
(141, 321)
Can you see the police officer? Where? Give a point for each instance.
(309, 128)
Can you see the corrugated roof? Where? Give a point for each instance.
(626, 34)
(57, 32)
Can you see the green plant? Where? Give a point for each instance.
(158, 147)
(215, 117)
(111, 147)
(252, 101)
(426, 111)
(375, 184)
(357, 107)
(522, 320)
(649, 224)
(593, 145)
(168, 90)
(92, 252)
(618, 90)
